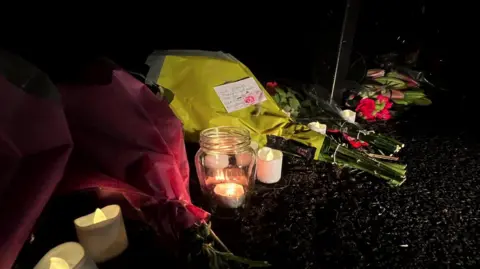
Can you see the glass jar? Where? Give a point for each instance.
(225, 166)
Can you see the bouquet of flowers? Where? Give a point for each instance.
(184, 73)
(307, 107)
(400, 88)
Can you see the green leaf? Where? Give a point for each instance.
(394, 83)
(276, 97)
(281, 93)
(422, 101)
(400, 102)
(294, 103)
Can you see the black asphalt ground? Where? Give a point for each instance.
(315, 219)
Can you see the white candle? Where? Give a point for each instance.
(269, 165)
(102, 233)
(318, 127)
(230, 195)
(216, 161)
(70, 255)
(349, 115)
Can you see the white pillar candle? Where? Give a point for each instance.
(318, 127)
(102, 233)
(349, 115)
(229, 195)
(70, 255)
(269, 165)
(219, 161)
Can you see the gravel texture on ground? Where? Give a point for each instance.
(317, 217)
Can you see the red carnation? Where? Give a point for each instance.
(366, 108)
(384, 114)
(384, 100)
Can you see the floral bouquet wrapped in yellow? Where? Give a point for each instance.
(213, 89)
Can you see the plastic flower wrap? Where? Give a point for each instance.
(121, 127)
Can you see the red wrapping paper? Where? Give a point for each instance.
(136, 142)
(128, 146)
(35, 144)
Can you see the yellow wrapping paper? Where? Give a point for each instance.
(192, 76)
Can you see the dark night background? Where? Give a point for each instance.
(318, 220)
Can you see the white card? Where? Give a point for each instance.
(240, 94)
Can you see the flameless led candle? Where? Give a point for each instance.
(318, 127)
(216, 161)
(349, 115)
(230, 195)
(70, 255)
(269, 165)
(102, 233)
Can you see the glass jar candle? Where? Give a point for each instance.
(225, 166)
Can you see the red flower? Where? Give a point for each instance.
(272, 85)
(384, 100)
(366, 108)
(354, 143)
(384, 114)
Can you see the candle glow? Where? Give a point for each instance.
(99, 216)
(230, 195)
(58, 263)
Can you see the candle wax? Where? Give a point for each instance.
(229, 195)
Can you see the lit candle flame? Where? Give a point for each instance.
(230, 190)
(58, 263)
(99, 216)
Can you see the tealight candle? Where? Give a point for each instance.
(216, 161)
(102, 233)
(318, 127)
(269, 165)
(70, 255)
(349, 115)
(230, 195)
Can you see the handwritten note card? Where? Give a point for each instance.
(240, 94)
